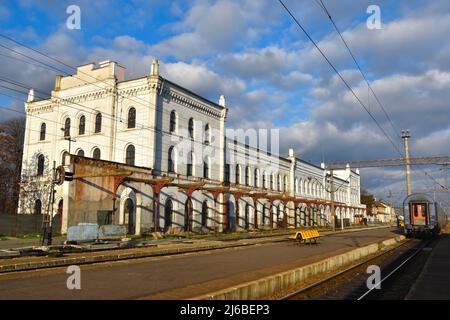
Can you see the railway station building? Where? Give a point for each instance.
(152, 155)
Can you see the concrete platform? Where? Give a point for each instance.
(434, 281)
(182, 276)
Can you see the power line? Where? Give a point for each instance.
(339, 74)
(341, 77)
(322, 5)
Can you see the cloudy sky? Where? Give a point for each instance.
(271, 75)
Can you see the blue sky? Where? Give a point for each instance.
(271, 75)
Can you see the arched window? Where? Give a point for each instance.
(42, 133)
(96, 154)
(264, 180)
(205, 214)
(168, 211)
(67, 128)
(80, 153)
(296, 186)
(170, 162)
(98, 123)
(247, 216)
(65, 158)
(130, 155)
(40, 165)
(272, 182)
(285, 187)
(38, 207)
(82, 125)
(247, 176)
(191, 128)
(256, 178)
(190, 162)
(206, 168)
(173, 121)
(238, 174)
(132, 118)
(279, 182)
(207, 134)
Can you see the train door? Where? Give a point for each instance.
(419, 213)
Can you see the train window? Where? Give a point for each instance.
(419, 209)
(415, 210)
(424, 210)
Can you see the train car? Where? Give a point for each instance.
(422, 215)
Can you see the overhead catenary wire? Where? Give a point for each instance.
(394, 128)
(344, 81)
(145, 104)
(369, 86)
(339, 75)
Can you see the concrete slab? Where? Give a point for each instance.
(181, 276)
(434, 281)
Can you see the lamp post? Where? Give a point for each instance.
(68, 138)
(332, 193)
(405, 136)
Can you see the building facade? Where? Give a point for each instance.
(150, 130)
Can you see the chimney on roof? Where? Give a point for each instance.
(222, 101)
(155, 67)
(30, 96)
(57, 82)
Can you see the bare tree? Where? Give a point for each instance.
(11, 149)
(34, 186)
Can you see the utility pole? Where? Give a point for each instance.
(405, 136)
(332, 199)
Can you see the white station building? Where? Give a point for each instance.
(153, 124)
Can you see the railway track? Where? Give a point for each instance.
(400, 266)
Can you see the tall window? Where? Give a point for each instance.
(272, 182)
(207, 134)
(191, 128)
(247, 176)
(132, 118)
(285, 187)
(64, 159)
(42, 133)
(256, 178)
(38, 207)
(40, 165)
(227, 173)
(279, 182)
(206, 168)
(190, 159)
(130, 155)
(67, 128)
(96, 153)
(98, 123)
(205, 214)
(170, 162)
(238, 174)
(173, 121)
(264, 180)
(82, 125)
